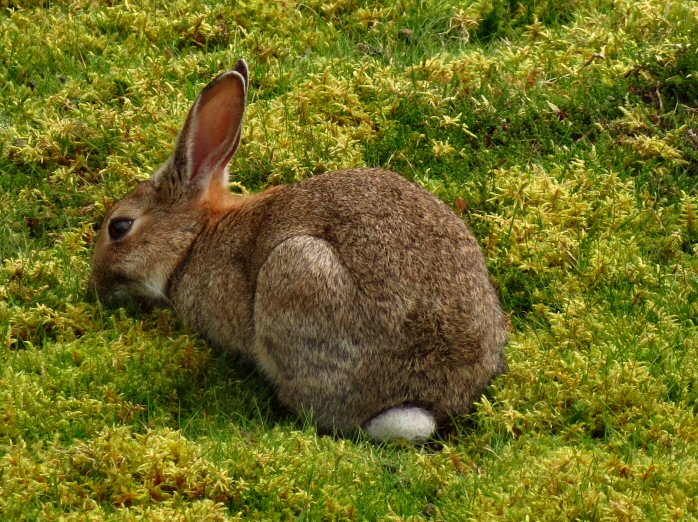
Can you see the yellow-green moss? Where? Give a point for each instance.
(565, 133)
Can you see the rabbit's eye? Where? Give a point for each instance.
(119, 227)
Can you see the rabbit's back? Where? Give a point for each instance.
(402, 246)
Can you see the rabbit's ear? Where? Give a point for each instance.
(211, 135)
(242, 69)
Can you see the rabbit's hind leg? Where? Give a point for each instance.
(306, 339)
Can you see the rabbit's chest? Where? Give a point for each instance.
(214, 299)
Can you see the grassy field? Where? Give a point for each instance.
(564, 131)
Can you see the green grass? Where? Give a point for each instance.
(565, 132)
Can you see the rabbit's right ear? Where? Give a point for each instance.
(209, 138)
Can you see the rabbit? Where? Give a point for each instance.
(363, 298)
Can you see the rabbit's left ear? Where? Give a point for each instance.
(210, 136)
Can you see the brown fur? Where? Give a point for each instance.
(355, 291)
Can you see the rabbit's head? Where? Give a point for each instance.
(149, 233)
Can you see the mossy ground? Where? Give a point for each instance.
(565, 132)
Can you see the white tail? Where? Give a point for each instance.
(413, 424)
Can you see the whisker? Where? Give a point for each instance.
(155, 292)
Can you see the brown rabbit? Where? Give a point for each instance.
(363, 298)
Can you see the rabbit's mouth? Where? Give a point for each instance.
(131, 302)
(123, 292)
(121, 296)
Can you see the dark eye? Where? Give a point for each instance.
(119, 227)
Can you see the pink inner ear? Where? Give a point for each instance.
(217, 124)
